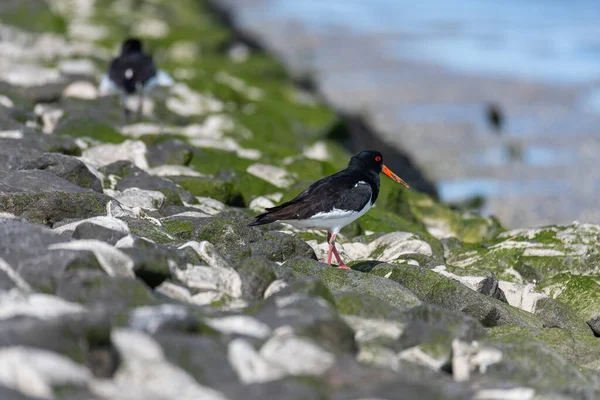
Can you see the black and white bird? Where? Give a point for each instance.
(334, 201)
(133, 72)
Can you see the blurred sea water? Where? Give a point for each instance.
(424, 72)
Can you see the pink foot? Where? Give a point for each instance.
(344, 266)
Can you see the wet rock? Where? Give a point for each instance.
(489, 287)
(42, 197)
(171, 152)
(67, 167)
(256, 273)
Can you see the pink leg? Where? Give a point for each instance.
(332, 249)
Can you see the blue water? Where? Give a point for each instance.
(542, 40)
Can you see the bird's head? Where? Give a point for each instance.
(371, 161)
(131, 45)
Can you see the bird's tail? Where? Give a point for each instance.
(262, 219)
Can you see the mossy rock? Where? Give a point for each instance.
(223, 190)
(433, 288)
(366, 306)
(581, 293)
(339, 281)
(579, 349)
(49, 208)
(256, 273)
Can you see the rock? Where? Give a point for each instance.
(430, 332)
(452, 295)
(296, 356)
(489, 287)
(581, 293)
(81, 90)
(307, 315)
(129, 176)
(163, 318)
(78, 68)
(240, 325)
(133, 151)
(109, 223)
(42, 197)
(206, 253)
(153, 266)
(272, 174)
(257, 273)
(555, 314)
(236, 241)
(337, 280)
(211, 283)
(66, 167)
(35, 305)
(113, 261)
(89, 230)
(14, 152)
(145, 199)
(146, 373)
(171, 152)
(223, 190)
(249, 365)
(43, 371)
(48, 116)
(83, 336)
(468, 357)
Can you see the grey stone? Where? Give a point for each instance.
(81, 336)
(256, 273)
(90, 230)
(236, 241)
(66, 167)
(489, 287)
(13, 152)
(134, 177)
(40, 196)
(151, 265)
(170, 152)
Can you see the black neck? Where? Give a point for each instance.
(370, 176)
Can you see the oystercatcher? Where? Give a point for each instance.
(334, 201)
(133, 72)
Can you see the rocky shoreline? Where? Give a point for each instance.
(128, 271)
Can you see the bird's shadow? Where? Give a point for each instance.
(365, 265)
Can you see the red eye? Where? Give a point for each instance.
(378, 158)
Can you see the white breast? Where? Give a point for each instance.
(332, 221)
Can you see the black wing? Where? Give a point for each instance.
(132, 70)
(341, 190)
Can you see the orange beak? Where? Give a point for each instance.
(393, 176)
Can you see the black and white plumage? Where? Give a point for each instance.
(133, 72)
(334, 201)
